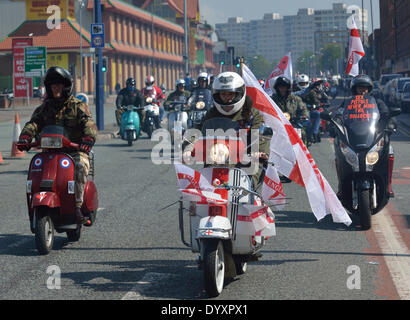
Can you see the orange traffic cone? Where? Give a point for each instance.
(16, 153)
(1, 158)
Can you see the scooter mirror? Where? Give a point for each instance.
(325, 116)
(394, 112)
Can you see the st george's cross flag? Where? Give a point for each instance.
(291, 157)
(356, 51)
(284, 68)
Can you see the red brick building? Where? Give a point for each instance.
(394, 36)
(137, 43)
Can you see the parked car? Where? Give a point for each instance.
(405, 98)
(396, 90)
(384, 79)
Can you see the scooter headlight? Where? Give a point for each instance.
(372, 158)
(350, 156)
(373, 155)
(287, 115)
(51, 142)
(200, 105)
(219, 153)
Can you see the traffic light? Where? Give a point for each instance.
(238, 62)
(104, 64)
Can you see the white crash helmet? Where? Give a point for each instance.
(180, 82)
(149, 81)
(203, 76)
(229, 82)
(303, 81)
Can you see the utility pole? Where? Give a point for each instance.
(99, 85)
(186, 39)
(81, 4)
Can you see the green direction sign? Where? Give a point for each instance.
(35, 61)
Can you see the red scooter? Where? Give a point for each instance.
(50, 190)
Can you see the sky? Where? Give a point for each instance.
(218, 11)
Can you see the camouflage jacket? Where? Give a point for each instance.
(74, 116)
(292, 104)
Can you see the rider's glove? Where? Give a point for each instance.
(23, 142)
(86, 144)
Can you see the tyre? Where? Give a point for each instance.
(44, 233)
(365, 213)
(74, 235)
(129, 138)
(150, 129)
(214, 267)
(241, 267)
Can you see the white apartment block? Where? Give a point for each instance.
(308, 30)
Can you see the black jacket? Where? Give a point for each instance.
(127, 98)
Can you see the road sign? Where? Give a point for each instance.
(97, 35)
(35, 61)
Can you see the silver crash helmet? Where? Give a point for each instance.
(229, 82)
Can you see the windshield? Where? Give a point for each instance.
(386, 79)
(57, 130)
(401, 83)
(219, 124)
(360, 118)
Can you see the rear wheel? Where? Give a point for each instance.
(365, 213)
(44, 232)
(214, 267)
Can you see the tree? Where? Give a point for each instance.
(331, 53)
(261, 67)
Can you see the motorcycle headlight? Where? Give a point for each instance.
(287, 115)
(200, 105)
(372, 157)
(350, 156)
(219, 153)
(52, 142)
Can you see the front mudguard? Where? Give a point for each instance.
(216, 227)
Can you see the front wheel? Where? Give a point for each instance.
(214, 267)
(74, 235)
(130, 137)
(44, 233)
(365, 213)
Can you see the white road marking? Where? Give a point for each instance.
(397, 255)
(136, 293)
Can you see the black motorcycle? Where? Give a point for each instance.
(199, 103)
(364, 156)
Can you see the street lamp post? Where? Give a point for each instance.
(186, 39)
(81, 47)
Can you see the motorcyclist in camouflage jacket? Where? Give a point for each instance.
(62, 109)
(175, 95)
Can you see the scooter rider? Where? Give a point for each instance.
(126, 97)
(291, 104)
(302, 82)
(231, 101)
(201, 90)
(175, 95)
(153, 91)
(61, 108)
(314, 95)
(363, 85)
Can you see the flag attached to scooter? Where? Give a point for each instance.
(195, 187)
(291, 157)
(272, 190)
(255, 221)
